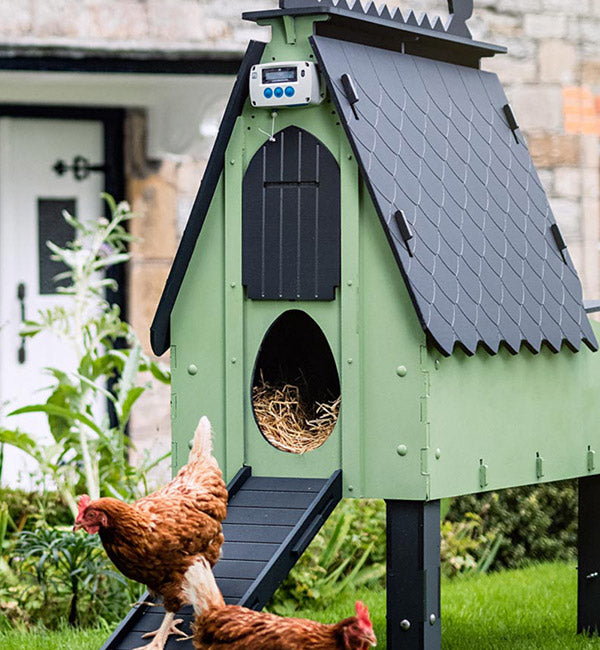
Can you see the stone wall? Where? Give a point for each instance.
(204, 24)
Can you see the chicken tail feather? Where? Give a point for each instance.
(202, 446)
(200, 588)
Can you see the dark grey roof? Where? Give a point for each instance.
(460, 200)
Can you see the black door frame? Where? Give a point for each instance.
(112, 120)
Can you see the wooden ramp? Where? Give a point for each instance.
(270, 522)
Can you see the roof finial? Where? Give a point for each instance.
(460, 12)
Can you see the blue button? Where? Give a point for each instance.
(290, 92)
(278, 92)
(268, 93)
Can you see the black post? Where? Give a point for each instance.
(413, 575)
(588, 570)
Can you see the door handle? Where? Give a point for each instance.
(21, 293)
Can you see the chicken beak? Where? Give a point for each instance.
(77, 526)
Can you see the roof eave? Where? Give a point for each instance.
(477, 47)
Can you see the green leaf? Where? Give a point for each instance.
(158, 372)
(20, 440)
(132, 396)
(59, 411)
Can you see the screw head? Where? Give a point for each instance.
(402, 450)
(438, 453)
(405, 625)
(192, 369)
(432, 619)
(351, 488)
(437, 364)
(233, 360)
(350, 361)
(401, 371)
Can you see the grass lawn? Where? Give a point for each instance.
(533, 609)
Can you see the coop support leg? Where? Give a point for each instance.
(588, 569)
(413, 575)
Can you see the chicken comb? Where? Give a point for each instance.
(83, 503)
(362, 614)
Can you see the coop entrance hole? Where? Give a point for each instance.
(295, 386)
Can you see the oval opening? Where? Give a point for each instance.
(295, 386)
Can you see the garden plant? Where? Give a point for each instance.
(48, 574)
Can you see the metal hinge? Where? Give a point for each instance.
(174, 466)
(591, 459)
(539, 465)
(173, 406)
(483, 477)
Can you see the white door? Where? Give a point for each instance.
(32, 197)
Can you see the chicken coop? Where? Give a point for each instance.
(371, 243)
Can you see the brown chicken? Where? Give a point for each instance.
(158, 538)
(221, 627)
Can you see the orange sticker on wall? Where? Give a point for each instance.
(581, 109)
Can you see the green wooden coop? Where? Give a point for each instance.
(371, 219)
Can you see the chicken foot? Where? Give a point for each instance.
(167, 627)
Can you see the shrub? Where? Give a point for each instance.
(349, 551)
(64, 575)
(537, 523)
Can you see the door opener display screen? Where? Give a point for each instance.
(286, 83)
(280, 75)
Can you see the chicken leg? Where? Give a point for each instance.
(167, 627)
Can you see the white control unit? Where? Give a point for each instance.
(289, 83)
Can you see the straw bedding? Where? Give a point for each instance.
(289, 421)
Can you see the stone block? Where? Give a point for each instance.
(553, 150)
(590, 31)
(568, 214)
(178, 20)
(545, 25)
(547, 180)
(511, 70)
(590, 72)
(15, 18)
(590, 152)
(537, 107)
(557, 60)
(567, 182)
(146, 283)
(125, 20)
(517, 6)
(591, 184)
(501, 25)
(150, 428)
(591, 267)
(155, 229)
(60, 18)
(520, 47)
(578, 8)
